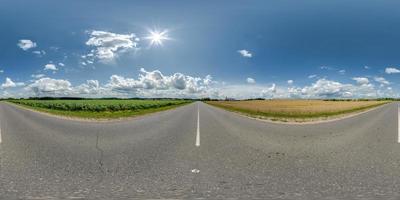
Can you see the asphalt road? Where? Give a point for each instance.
(175, 154)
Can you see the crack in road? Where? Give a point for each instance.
(101, 152)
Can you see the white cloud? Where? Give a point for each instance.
(325, 88)
(381, 80)
(361, 80)
(312, 76)
(50, 87)
(50, 66)
(156, 84)
(320, 89)
(25, 44)
(91, 87)
(108, 45)
(367, 67)
(392, 70)
(324, 67)
(155, 80)
(250, 80)
(37, 76)
(123, 84)
(1, 71)
(269, 92)
(39, 53)
(245, 53)
(10, 84)
(61, 64)
(331, 89)
(342, 71)
(290, 82)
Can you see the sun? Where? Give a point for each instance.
(157, 37)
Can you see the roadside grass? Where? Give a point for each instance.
(296, 110)
(99, 109)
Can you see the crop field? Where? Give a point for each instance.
(100, 108)
(296, 110)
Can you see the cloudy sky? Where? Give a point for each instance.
(266, 48)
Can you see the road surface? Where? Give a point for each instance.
(198, 151)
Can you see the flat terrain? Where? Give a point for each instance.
(156, 156)
(296, 110)
(100, 108)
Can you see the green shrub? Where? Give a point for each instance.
(98, 105)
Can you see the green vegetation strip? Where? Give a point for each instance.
(281, 116)
(100, 109)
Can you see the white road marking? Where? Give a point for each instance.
(196, 171)
(398, 123)
(198, 128)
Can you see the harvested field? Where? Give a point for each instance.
(298, 110)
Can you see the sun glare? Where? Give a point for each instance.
(157, 37)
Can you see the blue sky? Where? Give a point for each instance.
(270, 49)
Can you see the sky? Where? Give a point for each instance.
(197, 49)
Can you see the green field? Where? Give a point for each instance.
(99, 108)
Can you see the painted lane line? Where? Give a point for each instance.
(398, 123)
(198, 128)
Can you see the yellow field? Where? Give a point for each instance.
(296, 108)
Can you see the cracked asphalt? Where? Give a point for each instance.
(154, 156)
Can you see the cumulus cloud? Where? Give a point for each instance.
(320, 89)
(250, 80)
(392, 70)
(245, 53)
(50, 87)
(269, 92)
(342, 72)
(50, 66)
(11, 84)
(26, 44)
(154, 83)
(155, 80)
(361, 80)
(327, 89)
(290, 82)
(381, 80)
(108, 45)
(91, 87)
(123, 84)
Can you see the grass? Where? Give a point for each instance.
(99, 108)
(296, 110)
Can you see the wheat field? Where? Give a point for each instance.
(296, 108)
